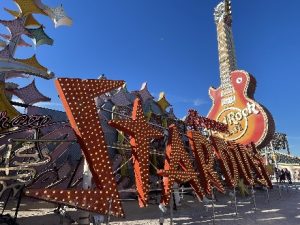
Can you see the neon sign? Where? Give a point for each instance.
(78, 99)
(23, 120)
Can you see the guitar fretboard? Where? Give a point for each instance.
(227, 58)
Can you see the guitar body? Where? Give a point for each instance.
(247, 120)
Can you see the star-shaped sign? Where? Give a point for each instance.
(141, 133)
(163, 102)
(16, 26)
(33, 62)
(58, 16)
(177, 157)
(29, 7)
(39, 36)
(78, 98)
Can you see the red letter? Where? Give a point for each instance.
(258, 166)
(227, 161)
(243, 164)
(77, 97)
(203, 152)
(176, 157)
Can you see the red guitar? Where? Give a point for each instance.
(233, 101)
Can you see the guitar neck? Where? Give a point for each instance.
(227, 58)
(226, 50)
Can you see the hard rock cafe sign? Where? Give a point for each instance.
(237, 120)
(247, 120)
(233, 101)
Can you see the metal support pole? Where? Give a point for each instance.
(37, 144)
(6, 200)
(205, 205)
(40, 140)
(268, 196)
(287, 145)
(171, 208)
(279, 190)
(161, 219)
(181, 193)
(273, 152)
(235, 202)
(253, 198)
(109, 211)
(213, 205)
(174, 201)
(84, 218)
(61, 219)
(18, 204)
(163, 210)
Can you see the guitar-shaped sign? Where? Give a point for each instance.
(233, 101)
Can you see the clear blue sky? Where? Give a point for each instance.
(172, 45)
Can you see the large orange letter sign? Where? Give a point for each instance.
(227, 161)
(242, 161)
(203, 152)
(77, 97)
(141, 133)
(176, 156)
(258, 166)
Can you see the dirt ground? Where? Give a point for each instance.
(282, 208)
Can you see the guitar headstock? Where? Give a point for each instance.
(222, 12)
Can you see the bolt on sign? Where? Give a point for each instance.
(233, 101)
(237, 161)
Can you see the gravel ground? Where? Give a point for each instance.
(282, 208)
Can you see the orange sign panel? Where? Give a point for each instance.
(78, 98)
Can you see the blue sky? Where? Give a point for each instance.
(172, 45)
